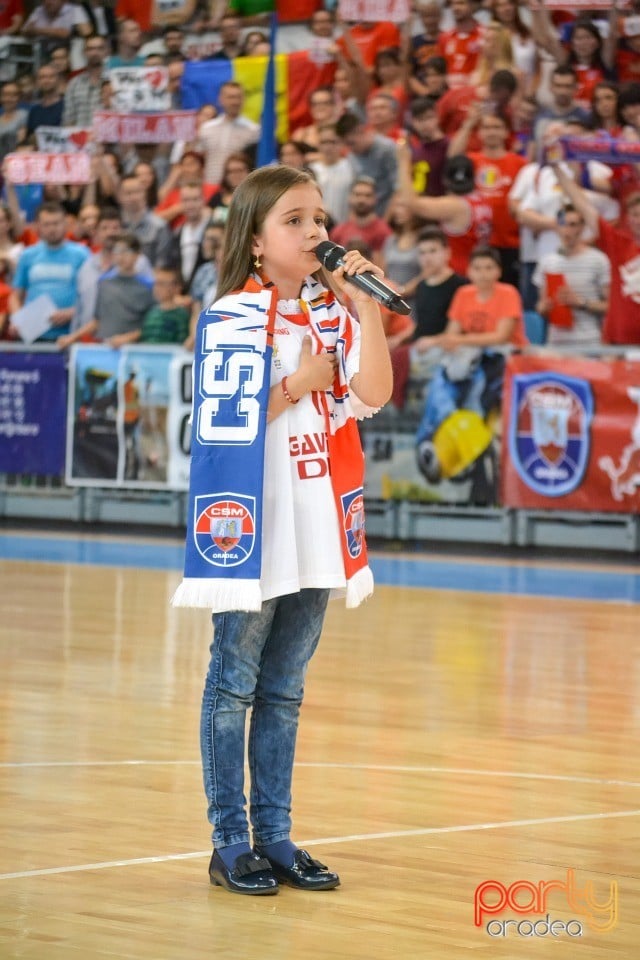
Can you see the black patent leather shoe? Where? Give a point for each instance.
(305, 873)
(251, 875)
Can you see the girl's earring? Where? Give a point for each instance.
(256, 262)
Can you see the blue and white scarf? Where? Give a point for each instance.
(232, 372)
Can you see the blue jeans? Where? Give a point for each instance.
(258, 660)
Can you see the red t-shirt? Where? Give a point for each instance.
(482, 316)
(622, 322)
(461, 52)
(627, 63)
(5, 292)
(369, 38)
(478, 232)
(291, 11)
(588, 77)
(173, 197)
(494, 179)
(8, 10)
(374, 234)
(453, 107)
(139, 10)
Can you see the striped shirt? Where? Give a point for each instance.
(588, 273)
(220, 137)
(81, 100)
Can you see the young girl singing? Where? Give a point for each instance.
(276, 521)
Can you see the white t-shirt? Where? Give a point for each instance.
(301, 537)
(537, 188)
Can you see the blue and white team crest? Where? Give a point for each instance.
(353, 514)
(224, 529)
(550, 431)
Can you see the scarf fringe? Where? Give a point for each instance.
(359, 587)
(218, 595)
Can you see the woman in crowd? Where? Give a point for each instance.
(524, 50)
(399, 253)
(13, 119)
(496, 54)
(605, 110)
(149, 179)
(10, 245)
(237, 168)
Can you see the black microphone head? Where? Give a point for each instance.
(329, 254)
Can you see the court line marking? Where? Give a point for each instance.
(390, 835)
(425, 587)
(575, 563)
(380, 767)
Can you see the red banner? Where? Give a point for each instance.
(585, 4)
(111, 127)
(48, 168)
(571, 434)
(372, 11)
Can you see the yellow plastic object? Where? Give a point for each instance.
(459, 440)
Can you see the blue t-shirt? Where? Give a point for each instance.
(30, 197)
(116, 61)
(54, 271)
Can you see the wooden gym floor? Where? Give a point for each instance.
(477, 720)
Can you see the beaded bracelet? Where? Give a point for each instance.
(287, 395)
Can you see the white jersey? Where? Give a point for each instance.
(301, 535)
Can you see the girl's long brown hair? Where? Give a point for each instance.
(250, 204)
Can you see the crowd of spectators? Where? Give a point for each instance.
(435, 137)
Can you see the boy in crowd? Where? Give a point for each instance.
(428, 148)
(167, 321)
(485, 315)
(433, 297)
(123, 300)
(436, 288)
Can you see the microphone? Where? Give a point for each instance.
(331, 256)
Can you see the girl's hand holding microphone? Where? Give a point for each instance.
(355, 263)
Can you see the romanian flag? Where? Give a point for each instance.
(296, 75)
(268, 146)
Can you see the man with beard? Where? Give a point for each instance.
(363, 223)
(50, 268)
(83, 95)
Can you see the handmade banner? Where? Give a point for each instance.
(63, 139)
(610, 150)
(59, 168)
(573, 5)
(127, 417)
(571, 431)
(372, 11)
(140, 89)
(33, 399)
(110, 127)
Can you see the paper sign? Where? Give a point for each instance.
(140, 89)
(62, 139)
(62, 168)
(32, 320)
(373, 11)
(561, 314)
